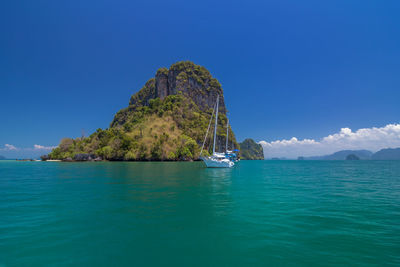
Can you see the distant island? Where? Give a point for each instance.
(383, 154)
(341, 155)
(352, 157)
(250, 150)
(166, 120)
(387, 154)
(2, 158)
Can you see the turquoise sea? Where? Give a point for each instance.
(259, 213)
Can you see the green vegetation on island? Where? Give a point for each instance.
(250, 150)
(166, 120)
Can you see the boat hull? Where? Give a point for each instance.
(217, 163)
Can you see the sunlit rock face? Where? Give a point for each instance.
(186, 78)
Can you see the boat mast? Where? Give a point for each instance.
(208, 129)
(227, 133)
(216, 123)
(233, 147)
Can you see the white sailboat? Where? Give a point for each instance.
(216, 160)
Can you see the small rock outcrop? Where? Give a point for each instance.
(352, 157)
(250, 150)
(44, 157)
(85, 157)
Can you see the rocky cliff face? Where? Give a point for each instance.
(187, 78)
(162, 89)
(196, 82)
(165, 120)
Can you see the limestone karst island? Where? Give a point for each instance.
(165, 120)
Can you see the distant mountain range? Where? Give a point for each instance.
(1, 157)
(387, 154)
(341, 155)
(383, 154)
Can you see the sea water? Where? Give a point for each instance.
(259, 213)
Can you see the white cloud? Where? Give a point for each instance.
(372, 139)
(9, 147)
(40, 147)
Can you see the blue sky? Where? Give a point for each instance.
(301, 69)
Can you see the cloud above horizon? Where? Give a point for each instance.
(9, 147)
(40, 147)
(12, 151)
(372, 139)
